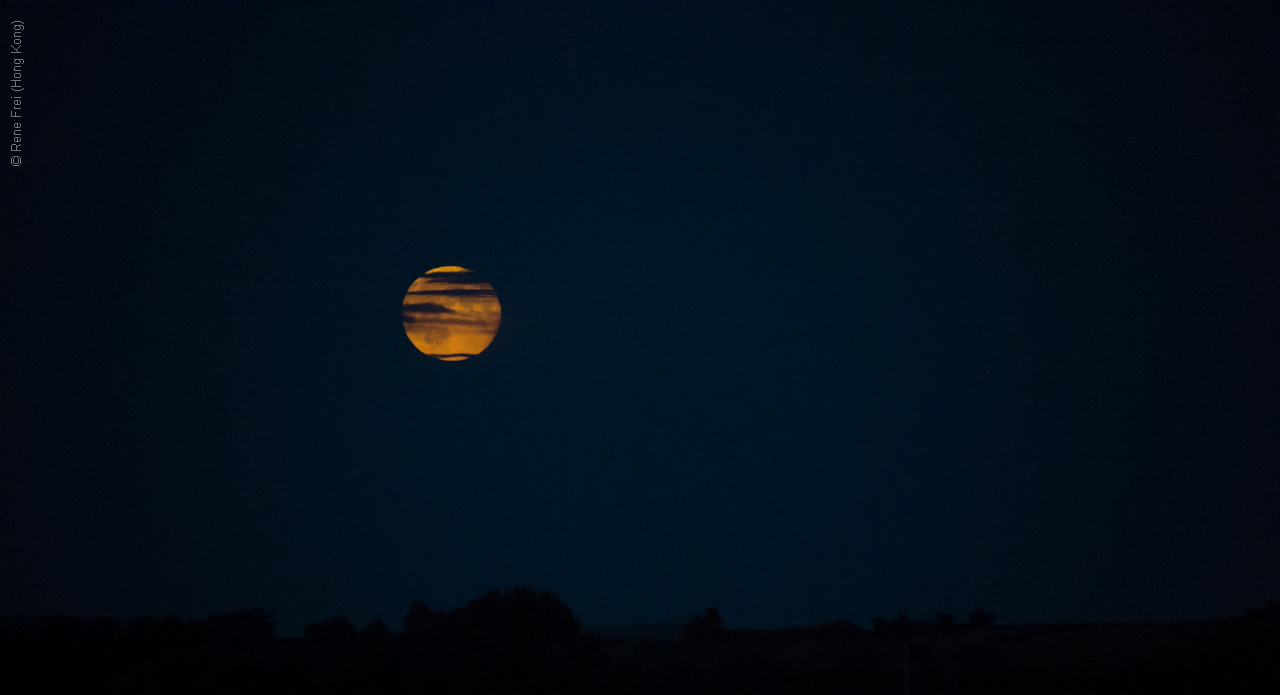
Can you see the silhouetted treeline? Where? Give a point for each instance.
(524, 641)
(502, 641)
(710, 626)
(1240, 654)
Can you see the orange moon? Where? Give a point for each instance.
(450, 314)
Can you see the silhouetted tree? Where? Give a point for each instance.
(704, 627)
(240, 631)
(102, 628)
(838, 630)
(981, 618)
(945, 623)
(337, 629)
(421, 620)
(900, 626)
(519, 615)
(376, 630)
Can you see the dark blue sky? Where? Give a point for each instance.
(809, 313)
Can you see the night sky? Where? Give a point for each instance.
(809, 311)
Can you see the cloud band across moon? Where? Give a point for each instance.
(450, 314)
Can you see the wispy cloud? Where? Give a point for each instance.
(426, 308)
(459, 292)
(462, 277)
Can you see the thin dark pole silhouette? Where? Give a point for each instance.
(906, 668)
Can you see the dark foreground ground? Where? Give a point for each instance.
(1230, 656)
(530, 643)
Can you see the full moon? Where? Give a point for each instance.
(449, 314)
